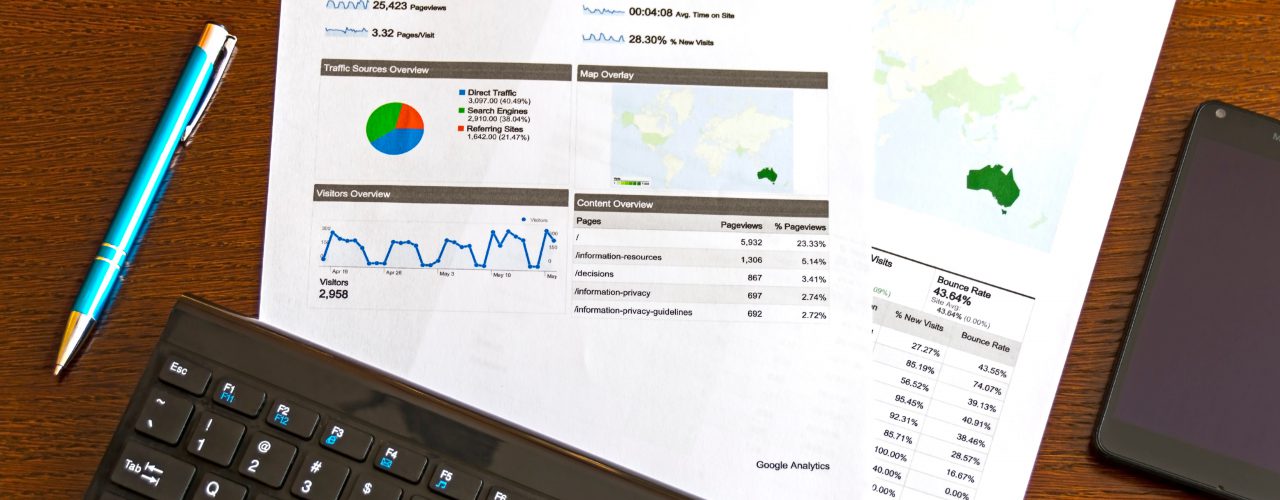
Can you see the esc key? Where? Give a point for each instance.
(184, 375)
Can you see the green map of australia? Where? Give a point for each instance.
(993, 178)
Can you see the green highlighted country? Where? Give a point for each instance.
(881, 75)
(646, 125)
(960, 90)
(993, 178)
(768, 173)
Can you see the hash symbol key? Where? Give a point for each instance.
(320, 477)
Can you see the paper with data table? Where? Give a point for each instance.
(635, 228)
(998, 155)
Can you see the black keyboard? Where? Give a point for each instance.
(230, 408)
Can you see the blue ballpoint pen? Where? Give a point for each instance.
(187, 105)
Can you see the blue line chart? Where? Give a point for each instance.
(603, 38)
(346, 31)
(603, 11)
(478, 263)
(347, 4)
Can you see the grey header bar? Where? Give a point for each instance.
(446, 69)
(452, 195)
(699, 205)
(710, 77)
(719, 223)
(952, 334)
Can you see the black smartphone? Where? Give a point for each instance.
(1195, 396)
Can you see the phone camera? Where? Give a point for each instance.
(1220, 113)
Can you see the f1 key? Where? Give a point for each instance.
(239, 397)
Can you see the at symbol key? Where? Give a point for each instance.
(267, 459)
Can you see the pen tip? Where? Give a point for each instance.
(78, 326)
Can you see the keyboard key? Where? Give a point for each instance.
(239, 397)
(403, 464)
(215, 438)
(151, 473)
(503, 493)
(213, 487)
(372, 488)
(184, 375)
(347, 440)
(107, 495)
(320, 477)
(295, 419)
(164, 416)
(267, 459)
(455, 484)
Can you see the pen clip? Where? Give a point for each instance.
(219, 71)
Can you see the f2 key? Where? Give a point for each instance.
(292, 418)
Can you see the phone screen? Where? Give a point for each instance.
(1202, 364)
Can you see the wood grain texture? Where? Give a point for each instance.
(1213, 50)
(83, 82)
(81, 87)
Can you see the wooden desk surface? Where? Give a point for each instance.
(81, 85)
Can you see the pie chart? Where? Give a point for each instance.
(395, 128)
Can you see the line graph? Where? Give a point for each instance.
(602, 11)
(477, 262)
(346, 31)
(347, 4)
(603, 38)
